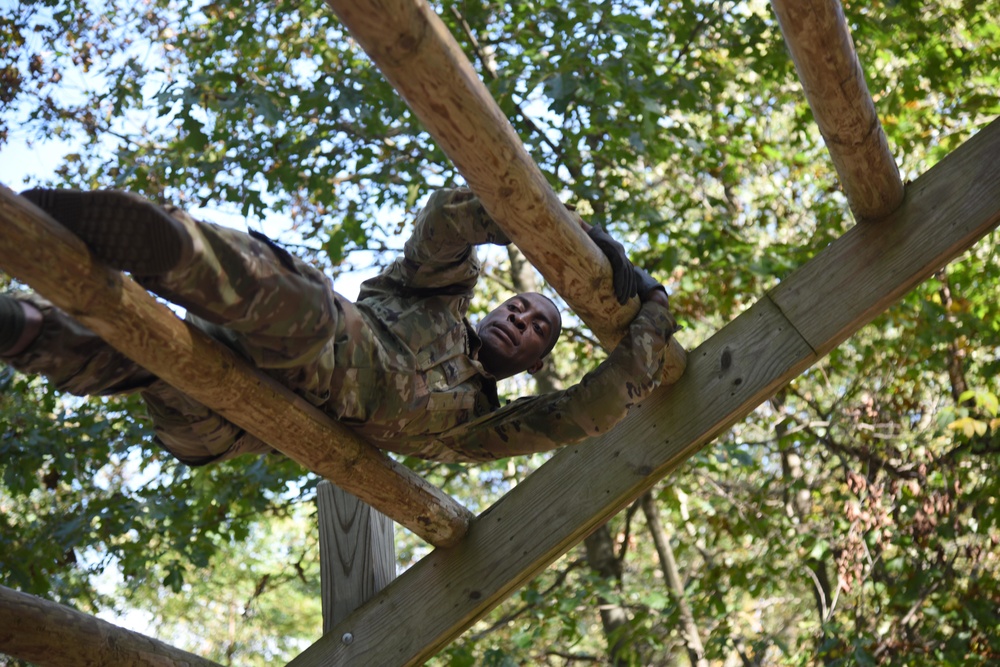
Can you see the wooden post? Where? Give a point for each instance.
(357, 556)
(51, 635)
(422, 60)
(820, 43)
(38, 251)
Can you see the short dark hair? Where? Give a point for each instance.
(557, 328)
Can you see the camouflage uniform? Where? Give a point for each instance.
(398, 366)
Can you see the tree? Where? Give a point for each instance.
(849, 521)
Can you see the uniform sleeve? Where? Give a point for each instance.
(594, 406)
(441, 252)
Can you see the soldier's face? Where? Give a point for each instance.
(517, 334)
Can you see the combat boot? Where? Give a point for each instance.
(11, 323)
(123, 230)
(19, 325)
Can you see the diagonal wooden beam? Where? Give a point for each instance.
(788, 330)
(820, 42)
(422, 60)
(52, 635)
(38, 251)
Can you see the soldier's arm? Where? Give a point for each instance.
(592, 407)
(441, 251)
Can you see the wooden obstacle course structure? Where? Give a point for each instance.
(357, 553)
(821, 46)
(741, 366)
(902, 240)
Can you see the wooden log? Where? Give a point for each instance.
(41, 253)
(945, 212)
(422, 60)
(52, 635)
(357, 555)
(820, 42)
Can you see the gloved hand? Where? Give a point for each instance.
(650, 290)
(625, 281)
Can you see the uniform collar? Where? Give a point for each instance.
(475, 342)
(488, 382)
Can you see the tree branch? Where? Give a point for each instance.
(690, 634)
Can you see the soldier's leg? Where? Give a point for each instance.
(194, 434)
(20, 323)
(72, 357)
(78, 361)
(284, 308)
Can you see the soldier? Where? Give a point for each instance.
(402, 366)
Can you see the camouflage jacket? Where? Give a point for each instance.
(436, 401)
(398, 366)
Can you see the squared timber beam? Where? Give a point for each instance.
(41, 253)
(789, 329)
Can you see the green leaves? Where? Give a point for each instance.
(840, 522)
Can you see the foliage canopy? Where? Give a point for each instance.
(852, 520)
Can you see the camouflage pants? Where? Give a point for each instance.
(270, 307)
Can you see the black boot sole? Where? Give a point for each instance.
(123, 230)
(12, 322)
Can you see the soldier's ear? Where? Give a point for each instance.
(535, 367)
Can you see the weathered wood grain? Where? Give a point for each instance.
(51, 635)
(862, 273)
(821, 46)
(41, 253)
(422, 60)
(728, 375)
(357, 555)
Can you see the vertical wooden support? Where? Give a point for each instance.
(357, 555)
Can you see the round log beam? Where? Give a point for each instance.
(52, 635)
(41, 253)
(821, 46)
(421, 59)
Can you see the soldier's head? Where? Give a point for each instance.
(519, 334)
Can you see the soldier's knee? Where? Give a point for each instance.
(187, 429)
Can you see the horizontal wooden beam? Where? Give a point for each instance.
(820, 42)
(945, 212)
(422, 60)
(38, 251)
(52, 635)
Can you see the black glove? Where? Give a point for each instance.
(622, 270)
